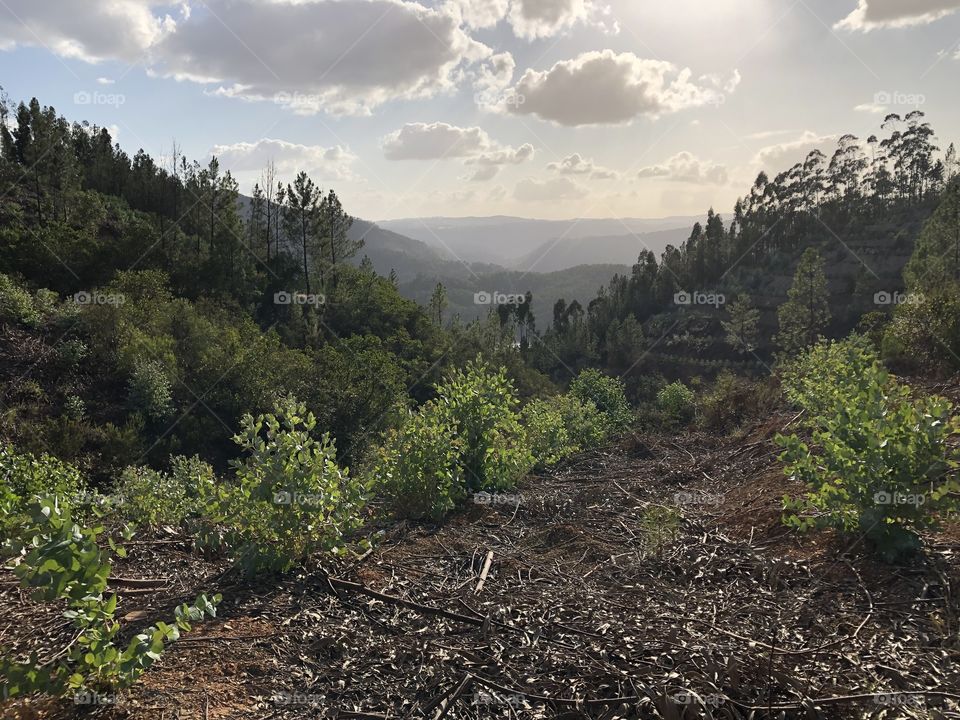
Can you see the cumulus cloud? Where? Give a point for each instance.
(779, 157)
(483, 173)
(337, 57)
(331, 163)
(873, 108)
(103, 29)
(504, 156)
(607, 88)
(873, 14)
(432, 141)
(575, 164)
(544, 191)
(532, 19)
(687, 167)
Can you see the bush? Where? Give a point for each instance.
(61, 561)
(26, 477)
(418, 466)
(607, 394)
(561, 426)
(883, 463)
(150, 497)
(17, 305)
(828, 374)
(290, 498)
(468, 438)
(149, 390)
(481, 405)
(677, 402)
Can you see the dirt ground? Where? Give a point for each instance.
(651, 579)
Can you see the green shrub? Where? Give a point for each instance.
(607, 394)
(26, 477)
(290, 498)
(418, 466)
(481, 404)
(150, 497)
(561, 426)
(677, 402)
(880, 463)
(61, 561)
(149, 390)
(16, 304)
(826, 374)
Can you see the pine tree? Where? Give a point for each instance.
(806, 313)
(743, 327)
(438, 303)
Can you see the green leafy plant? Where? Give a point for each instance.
(290, 498)
(61, 561)
(418, 466)
(880, 463)
(482, 406)
(151, 497)
(677, 402)
(26, 477)
(149, 390)
(607, 394)
(561, 426)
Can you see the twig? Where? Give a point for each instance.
(487, 562)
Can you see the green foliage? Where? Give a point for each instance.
(468, 438)
(149, 390)
(290, 497)
(806, 314)
(151, 497)
(607, 394)
(481, 405)
(677, 402)
(879, 463)
(61, 561)
(418, 466)
(743, 327)
(26, 477)
(17, 304)
(561, 426)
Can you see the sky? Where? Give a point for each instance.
(539, 108)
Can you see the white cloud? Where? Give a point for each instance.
(606, 88)
(874, 108)
(323, 163)
(100, 30)
(532, 19)
(575, 164)
(335, 57)
(782, 156)
(484, 173)
(545, 191)
(873, 14)
(423, 141)
(687, 167)
(104, 81)
(504, 156)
